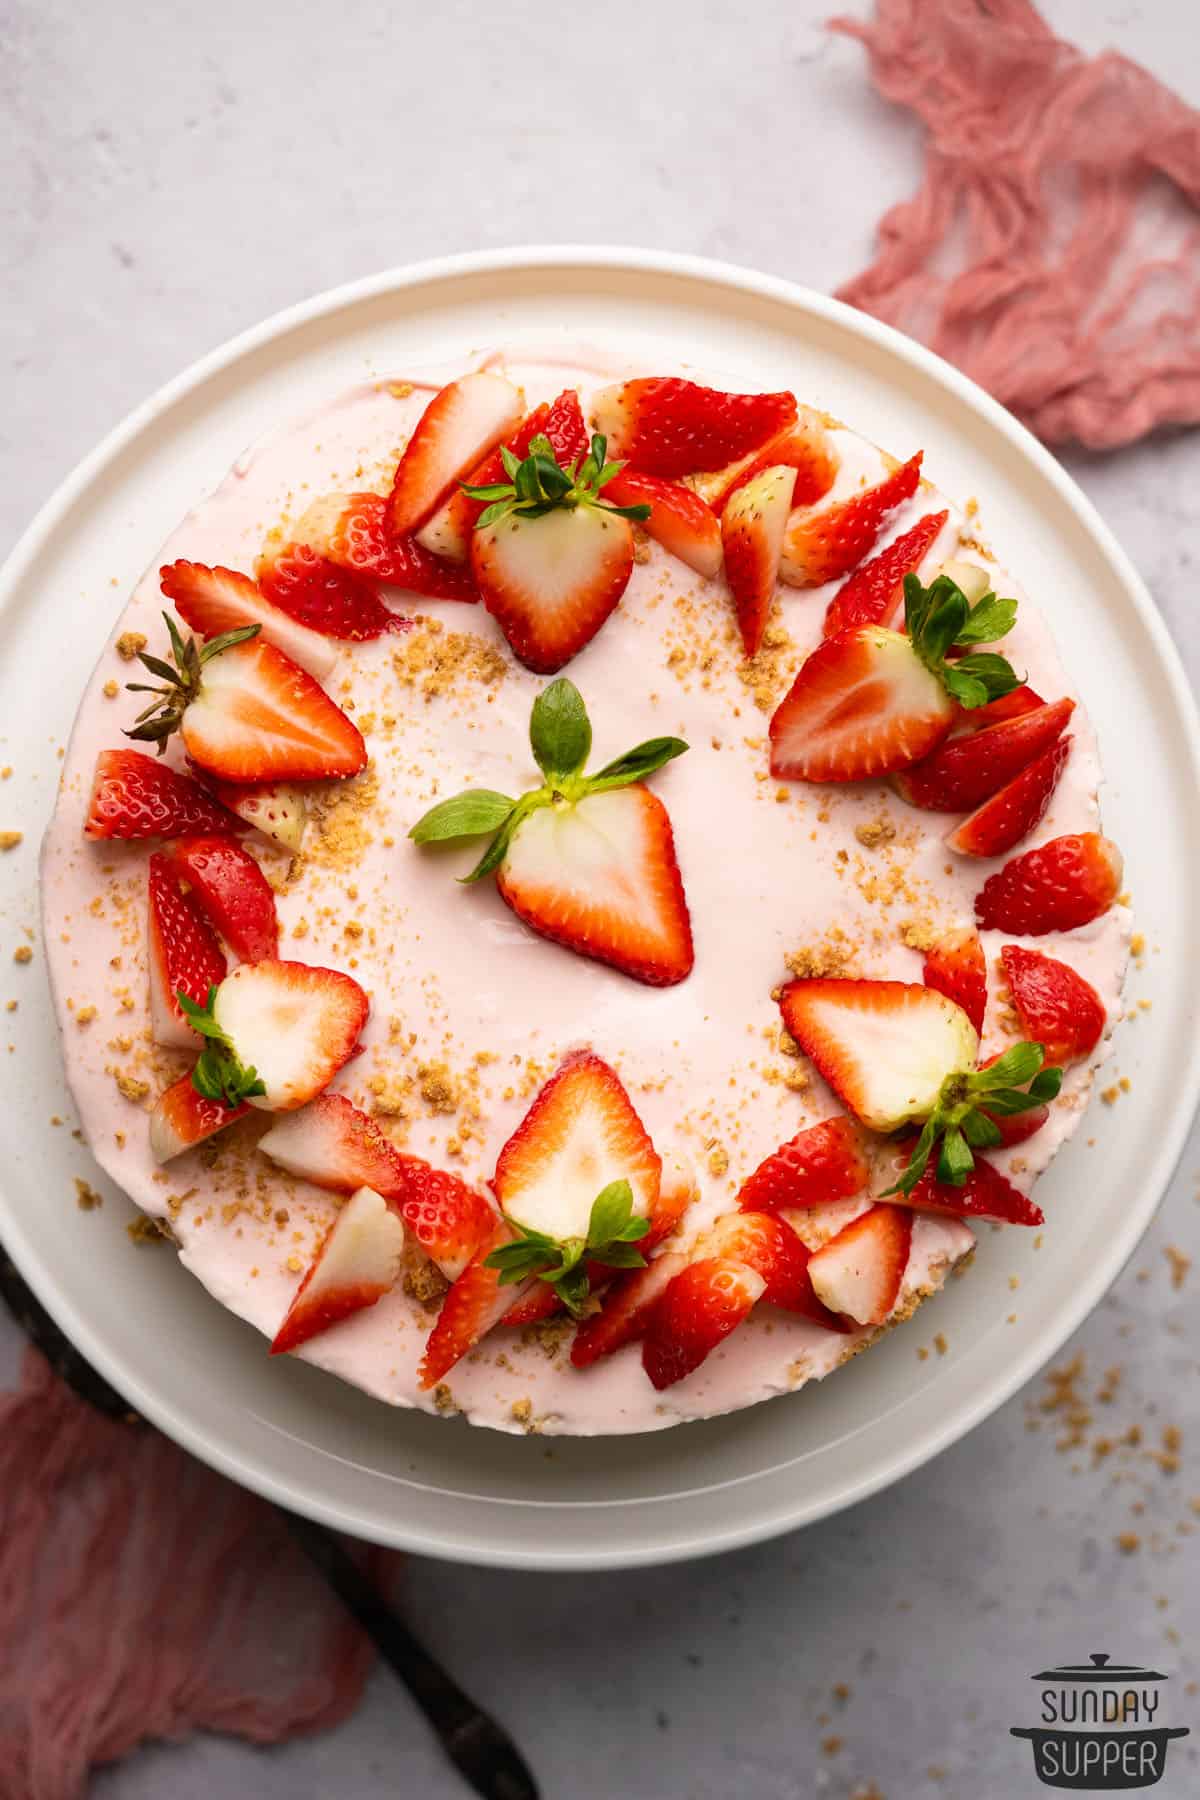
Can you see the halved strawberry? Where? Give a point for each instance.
(875, 591)
(580, 1134)
(677, 1191)
(752, 528)
(970, 769)
(1061, 885)
(135, 796)
(695, 1312)
(448, 532)
(275, 808)
(667, 426)
(458, 427)
(985, 1194)
(182, 1117)
(679, 519)
(472, 1305)
(212, 601)
(354, 1268)
(183, 956)
(770, 1247)
(319, 594)
(1018, 700)
(1057, 1008)
(956, 966)
(859, 1273)
(600, 877)
(862, 705)
(233, 893)
(1019, 808)
(804, 447)
(626, 1310)
(825, 541)
(295, 1024)
(350, 531)
(884, 1047)
(551, 581)
(817, 1166)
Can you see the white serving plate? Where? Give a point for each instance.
(437, 1486)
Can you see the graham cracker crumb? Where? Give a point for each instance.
(1180, 1264)
(130, 643)
(522, 1410)
(10, 839)
(145, 1230)
(875, 832)
(1128, 1543)
(425, 1283)
(111, 690)
(718, 1160)
(443, 1398)
(86, 1197)
(940, 1343)
(339, 818)
(23, 954)
(131, 1087)
(834, 955)
(84, 1015)
(435, 661)
(438, 1089)
(918, 934)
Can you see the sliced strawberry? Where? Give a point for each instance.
(539, 1304)
(824, 542)
(448, 1219)
(968, 770)
(1018, 700)
(677, 1190)
(804, 447)
(259, 717)
(956, 966)
(473, 1304)
(1061, 885)
(448, 532)
(600, 877)
(884, 1047)
(771, 1248)
(458, 427)
(752, 528)
(626, 1311)
(295, 1024)
(862, 705)
(696, 1311)
(986, 1194)
(233, 893)
(1057, 1008)
(275, 808)
(1019, 808)
(320, 595)
(551, 581)
(817, 1166)
(679, 519)
(182, 1117)
(136, 796)
(355, 1267)
(580, 1134)
(212, 601)
(350, 531)
(859, 1273)
(666, 426)
(874, 592)
(183, 956)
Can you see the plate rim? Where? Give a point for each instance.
(633, 261)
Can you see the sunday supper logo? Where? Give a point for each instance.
(1101, 1727)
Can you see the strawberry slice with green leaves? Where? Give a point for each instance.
(859, 1273)
(985, 1194)
(678, 519)
(770, 1247)
(232, 892)
(957, 967)
(460, 425)
(1061, 885)
(134, 796)
(322, 596)
(1056, 1006)
(277, 809)
(183, 1117)
(1017, 809)
(245, 711)
(626, 1310)
(214, 601)
(663, 425)
(871, 701)
(824, 542)
(550, 555)
(277, 1033)
(358, 1263)
(184, 956)
(752, 528)
(585, 860)
(875, 591)
(963, 1118)
(968, 770)
(817, 1166)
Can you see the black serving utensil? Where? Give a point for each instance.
(479, 1748)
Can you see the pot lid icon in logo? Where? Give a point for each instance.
(1100, 1728)
(1100, 1669)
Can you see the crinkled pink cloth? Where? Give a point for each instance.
(141, 1596)
(1053, 249)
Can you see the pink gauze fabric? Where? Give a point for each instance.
(1052, 250)
(142, 1596)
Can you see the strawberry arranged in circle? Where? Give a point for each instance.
(752, 528)
(817, 1166)
(985, 1194)
(626, 1310)
(696, 1311)
(1021, 699)
(135, 796)
(667, 426)
(860, 1272)
(184, 955)
(771, 1248)
(1015, 1128)
(233, 893)
(275, 808)
(473, 1304)
(678, 519)
(322, 596)
(804, 447)
(350, 532)
(1016, 810)
(183, 1117)
(969, 770)
(1059, 886)
(358, 1263)
(1056, 1006)
(884, 1047)
(875, 591)
(246, 712)
(956, 966)
(461, 424)
(213, 601)
(825, 541)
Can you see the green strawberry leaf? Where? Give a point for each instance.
(636, 764)
(469, 814)
(939, 617)
(989, 619)
(560, 732)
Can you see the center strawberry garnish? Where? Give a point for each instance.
(551, 557)
(964, 1118)
(587, 860)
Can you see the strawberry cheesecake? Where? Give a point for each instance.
(575, 892)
